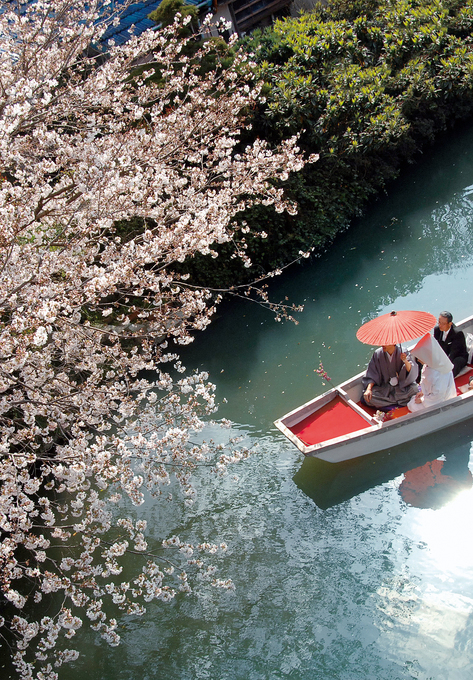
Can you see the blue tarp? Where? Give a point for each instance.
(137, 15)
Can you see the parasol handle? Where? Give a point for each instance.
(393, 313)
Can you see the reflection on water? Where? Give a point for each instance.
(426, 483)
(359, 590)
(430, 485)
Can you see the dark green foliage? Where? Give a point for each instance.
(219, 56)
(368, 85)
(165, 14)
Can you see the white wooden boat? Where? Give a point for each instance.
(336, 427)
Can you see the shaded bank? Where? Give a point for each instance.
(369, 86)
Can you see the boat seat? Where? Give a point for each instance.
(395, 412)
(398, 412)
(463, 377)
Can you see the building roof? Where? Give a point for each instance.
(135, 15)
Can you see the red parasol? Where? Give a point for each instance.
(396, 327)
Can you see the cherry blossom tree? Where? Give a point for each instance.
(89, 142)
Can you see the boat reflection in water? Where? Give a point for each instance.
(432, 486)
(435, 468)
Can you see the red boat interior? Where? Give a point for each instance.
(337, 418)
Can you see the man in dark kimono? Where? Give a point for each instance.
(452, 341)
(390, 378)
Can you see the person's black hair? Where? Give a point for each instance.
(447, 315)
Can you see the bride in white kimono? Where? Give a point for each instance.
(437, 383)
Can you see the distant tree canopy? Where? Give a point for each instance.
(368, 84)
(165, 14)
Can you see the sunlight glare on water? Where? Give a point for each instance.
(447, 535)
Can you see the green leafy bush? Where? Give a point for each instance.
(368, 86)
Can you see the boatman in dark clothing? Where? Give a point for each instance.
(452, 341)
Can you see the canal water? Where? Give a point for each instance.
(351, 571)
